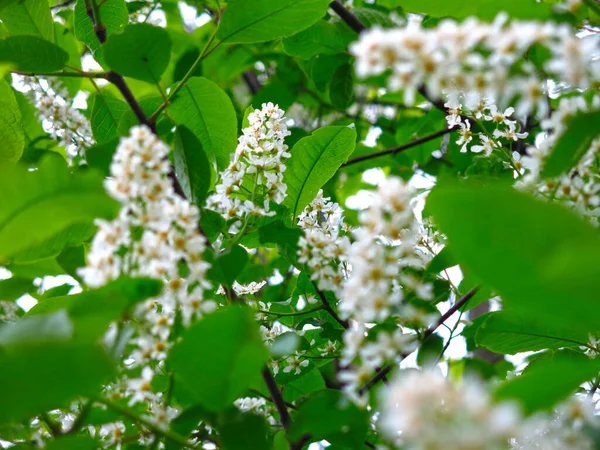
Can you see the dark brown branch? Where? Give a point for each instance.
(277, 397)
(382, 373)
(400, 148)
(121, 85)
(327, 307)
(252, 81)
(350, 19)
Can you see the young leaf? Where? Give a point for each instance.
(32, 54)
(267, 20)
(39, 204)
(11, 129)
(141, 51)
(107, 111)
(30, 17)
(228, 356)
(204, 108)
(315, 159)
(581, 130)
(191, 166)
(545, 383)
(114, 16)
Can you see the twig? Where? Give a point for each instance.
(347, 17)
(382, 373)
(64, 74)
(174, 437)
(327, 307)
(252, 81)
(400, 148)
(277, 397)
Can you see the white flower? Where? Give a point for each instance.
(295, 363)
(487, 145)
(251, 288)
(466, 136)
(141, 388)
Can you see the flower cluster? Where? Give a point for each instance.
(382, 255)
(580, 187)
(254, 176)
(156, 236)
(322, 248)
(498, 131)
(384, 260)
(59, 118)
(481, 59)
(424, 410)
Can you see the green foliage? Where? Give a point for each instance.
(534, 268)
(191, 166)
(48, 201)
(315, 159)
(582, 129)
(241, 431)
(141, 51)
(510, 333)
(51, 366)
(114, 17)
(268, 19)
(207, 111)
(485, 9)
(544, 383)
(323, 38)
(328, 415)
(107, 112)
(30, 17)
(32, 54)
(228, 342)
(11, 129)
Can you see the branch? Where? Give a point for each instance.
(382, 373)
(401, 148)
(347, 17)
(251, 81)
(121, 85)
(327, 307)
(93, 11)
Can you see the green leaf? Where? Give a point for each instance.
(107, 111)
(546, 382)
(303, 384)
(32, 54)
(228, 265)
(268, 19)
(12, 288)
(65, 39)
(536, 255)
(326, 414)
(141, 51)
(72, 235)
(191, 166)
(100, 156)
(206, 110)
(114, 16)
(581, 130)
(242, 431)
(510, 333)
(483, 9)
(341, 89)
(430, 350)
(323, 38)
(39, 204)
(228, 358)
(72, 443)
(45, 367)
(315, 159)
(92, 311)
(11, 129)
(31, 17)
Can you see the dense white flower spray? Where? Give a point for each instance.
(254, 176)
(58, 116)
(475, 59)
(155, 235)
